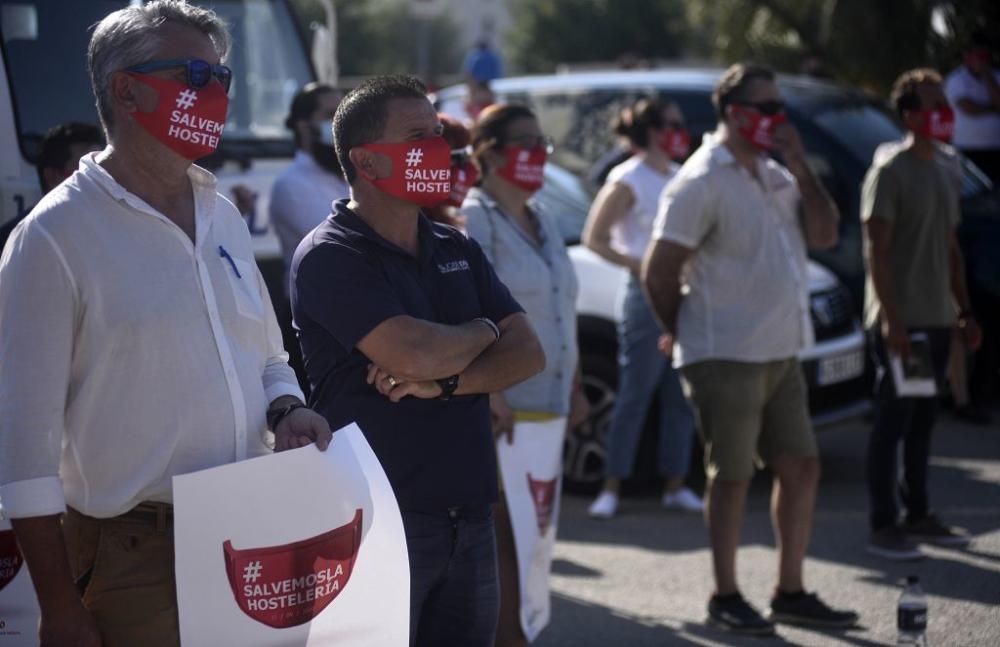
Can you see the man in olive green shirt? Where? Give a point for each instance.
(915, 285)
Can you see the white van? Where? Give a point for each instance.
(44, 82)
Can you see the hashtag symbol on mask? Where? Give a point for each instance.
(252, 571)
(186, 99)
(414, 157)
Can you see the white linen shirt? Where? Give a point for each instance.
(130, 354)
(972, 132)
(301, 198)
(746, 291)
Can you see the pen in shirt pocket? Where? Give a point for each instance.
(224, 254)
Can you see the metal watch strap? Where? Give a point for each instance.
(275, 416)
(448, 386)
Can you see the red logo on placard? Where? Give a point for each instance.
(285, 586)
(10, 558)
(543, 495)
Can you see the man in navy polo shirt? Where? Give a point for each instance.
(405, 329)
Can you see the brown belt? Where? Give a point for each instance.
(153, 513)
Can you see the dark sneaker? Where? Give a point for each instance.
(733, 613)
(892, 543)
(973, 414)
(931, 530)
(807, 610)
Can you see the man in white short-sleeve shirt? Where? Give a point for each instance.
(137, 337)
(731, 233)
(974, 90)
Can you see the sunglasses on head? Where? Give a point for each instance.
(769, 108)
(198, 72)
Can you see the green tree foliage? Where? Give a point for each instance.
(381, 38)
(857, 41)
(548, 32)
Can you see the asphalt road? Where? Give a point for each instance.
(643, 578)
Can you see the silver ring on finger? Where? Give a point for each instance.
(392, 381)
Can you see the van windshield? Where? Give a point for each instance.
(44, 52)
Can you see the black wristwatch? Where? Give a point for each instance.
(448, 386)
(275, 416)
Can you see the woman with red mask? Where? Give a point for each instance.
(529, 420)
(464, 174)
(618, 229)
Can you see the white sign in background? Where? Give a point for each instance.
(18, 604)
(531, 469)
(297, 548)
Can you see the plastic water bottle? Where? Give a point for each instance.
(911, 615)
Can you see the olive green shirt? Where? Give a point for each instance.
(921, 200)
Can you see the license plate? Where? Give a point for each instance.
(840, 368)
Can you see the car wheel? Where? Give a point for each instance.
(584, 453)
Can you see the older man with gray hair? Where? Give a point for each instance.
(137, 337)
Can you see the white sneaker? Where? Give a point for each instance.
(683, 499)
(604, 506)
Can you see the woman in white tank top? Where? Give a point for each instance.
(618, 229)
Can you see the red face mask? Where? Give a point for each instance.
(463, 178)
(675, 142)
(758, 128)
(936, 124)
(525, 167)
(188, 121)
(421, 170)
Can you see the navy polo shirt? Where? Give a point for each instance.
(346, 280)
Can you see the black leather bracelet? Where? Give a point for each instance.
(275, 416)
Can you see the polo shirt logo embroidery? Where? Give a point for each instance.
(453, 266)
(288, 585)
(10, 558)
(543, 495)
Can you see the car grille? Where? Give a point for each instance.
(832, 313)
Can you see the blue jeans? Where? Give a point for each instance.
(644, 372)
(454, 591)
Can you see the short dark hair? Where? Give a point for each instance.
(304, 103)
(634, 121)
(361, 116)
(905, 91)
(731, 87)
(490, 129)
(54, 149)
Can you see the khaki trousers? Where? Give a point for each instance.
(124, 567)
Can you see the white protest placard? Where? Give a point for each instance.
(531, 468)
(297, 548)
(914, 377)
(18, 604)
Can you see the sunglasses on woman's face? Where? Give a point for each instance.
(198, 72)
(532, 142)
(769, 108)
(460, 156)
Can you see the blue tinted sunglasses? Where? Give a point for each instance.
(199, 72)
